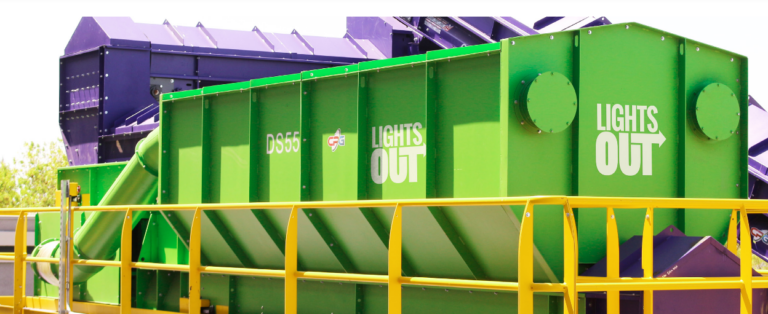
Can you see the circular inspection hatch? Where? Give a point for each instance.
(717, 112)
(550, 103)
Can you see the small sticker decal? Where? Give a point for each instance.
(336, 140)
(756, 234)
(765, 238)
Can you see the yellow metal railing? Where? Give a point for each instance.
(525, 287)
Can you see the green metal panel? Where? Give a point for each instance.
(538, 163)
(726, 173)
(615, 74)
(335, 175)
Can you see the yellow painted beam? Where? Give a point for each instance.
(465, 284)
(570, 261)
(126, 252)
(525, 262)
(746, 264)
(612, 259)
(395, 265)
(755, 206)
(732, 243)
(660, 285)
(194, 262)
(291, 262)
(19, 266)
(184, 304)
(222, 309)
(647, 259)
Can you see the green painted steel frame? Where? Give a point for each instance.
(563, 52)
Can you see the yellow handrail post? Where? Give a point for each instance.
(731, 242)
(612, 259)
(525, 262)
(291, 262)
(395, 271)
(71, 254)
(19, 249)
(647, 259)
(746, 264)
(194, 262)
(571, 261)
(126, 252)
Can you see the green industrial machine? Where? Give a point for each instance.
(619, 110)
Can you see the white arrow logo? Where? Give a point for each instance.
(647, 140)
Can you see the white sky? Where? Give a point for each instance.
(34, 34)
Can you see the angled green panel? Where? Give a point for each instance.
(230, 170)
(436, 300)
(189, 172)
(185, 151)
(264, 295)
(626, 68)
(398, 101)
(468, 127)
(280, 164)
(334, 173)
(333, 168)
(267, 245)
(279, 170)
(722, 174)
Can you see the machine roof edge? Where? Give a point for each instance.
(328, 72)
(231, 87)
(651, 28)
(109, 164)
(275, 80)
(393, 62)
(463, 51)
(182, 94)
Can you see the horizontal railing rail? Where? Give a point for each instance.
(525, 287)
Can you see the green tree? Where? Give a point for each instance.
(36, 173)
(9, 192)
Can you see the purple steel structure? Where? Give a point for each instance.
(113, 70)
(551, 24)
(758, 146)
(677, 255)
(433, 32)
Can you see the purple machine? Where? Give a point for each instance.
(677, 255)
(113, 69)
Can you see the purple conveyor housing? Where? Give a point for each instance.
(113, 70)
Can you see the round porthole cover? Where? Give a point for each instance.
(550, 103)
(717, 111)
